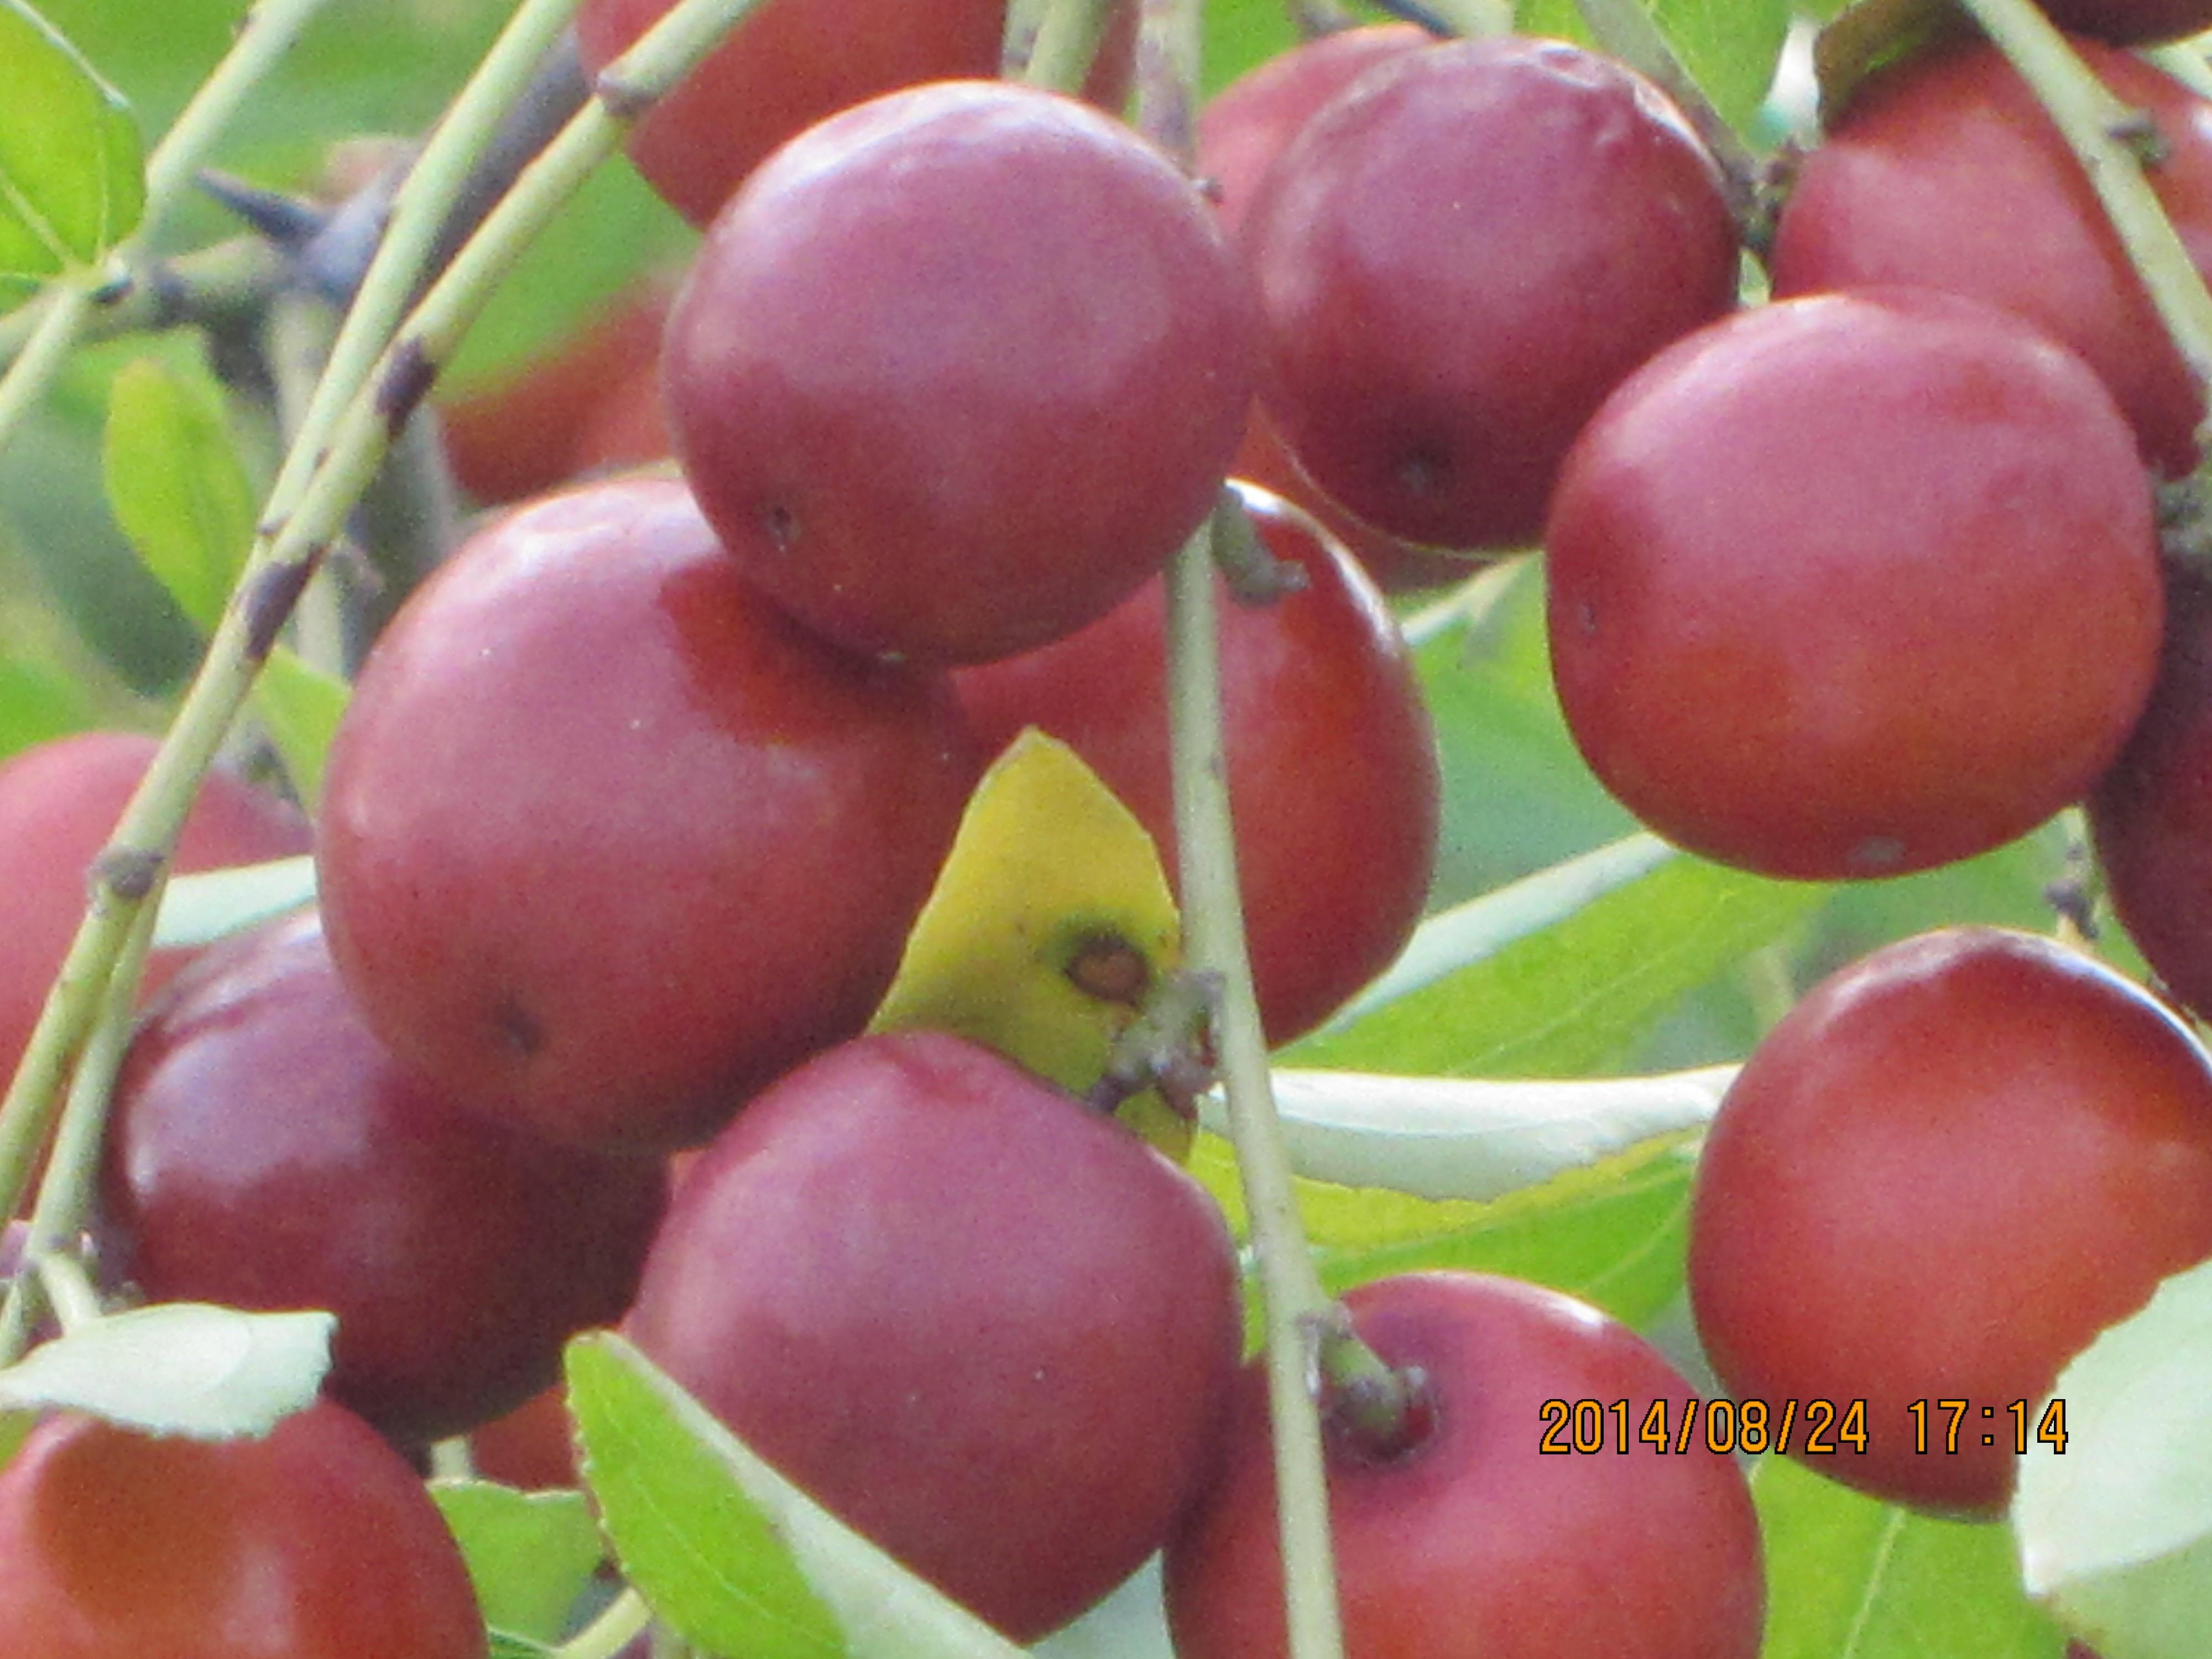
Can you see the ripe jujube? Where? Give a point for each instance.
(266, 1152)
(1949, 1166)
(608, 840)
(986, 1325)
(1854, 584)
(958, 368)
(788, 65)
(1472, 1542)
(1456, 259)
(317, 1541)
(1943, 171)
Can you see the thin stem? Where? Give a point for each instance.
(1294, 1303)
(223, 286)
(65, 1194)
(1170, 38)
(420, 213)
(1067, 44)
(619, 1624)
(2097, 127)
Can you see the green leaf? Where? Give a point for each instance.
(184, 1368)
(1453, 1138)
(2115, 1533)
(728, 1552)
(531, 1553)
(1729, 47)
(208, 905)
(1610, 1233)
(501, 1645)
(176, 485)
(1850, 1578)
(72, 166)
(1574, 996)
(299, 705)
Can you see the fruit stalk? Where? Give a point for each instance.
(1293, 1301)
(65, 1192)
(1066, 41)
(2108, 140)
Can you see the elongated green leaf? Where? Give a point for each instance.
(72, 165)
(728, 1551)
(176, 483)
(1848, 1577)
(1605, 957)
(531, 1553)
(184, 1368)
(2116, 1532)
(1611, 1233)
(1730, 47)
(1457, 1138)
(208, 905)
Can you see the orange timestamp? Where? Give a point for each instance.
(1808, 1428)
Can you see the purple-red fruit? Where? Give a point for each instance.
(1457, 258)
(958, 368)
(608, 840)
(1475, 1540)
(1946, 1169)
(986, 1325)
(266, 1152)
(1854, 584)
(1944, 171)
(317, 1541)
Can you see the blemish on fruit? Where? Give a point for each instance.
(1108, 967)
(1876, 855)
(782, 525)
(520, 1030)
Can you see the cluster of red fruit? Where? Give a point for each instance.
(637, 798)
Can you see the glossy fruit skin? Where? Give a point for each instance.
(956, 459)
(1946, 1169)
(1243, 127)
(790, 64)
(2150, 815)
(266, 1152)
(1944, 171)
(59, 802)
(317, 1542)
(1475, 1542)
(2130, 22)
(607, 841)
(1457, 258)
(1854, 584)
(1239, 132)
(1332, 758)
(990, 1327)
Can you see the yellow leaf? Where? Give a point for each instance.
(1050, 922)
